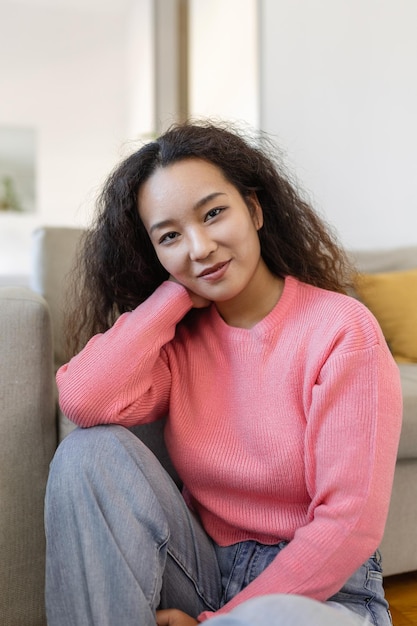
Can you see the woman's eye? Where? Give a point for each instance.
(168, 237)
(213, 213)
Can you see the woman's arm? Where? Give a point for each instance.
(122, 375)
(352, 433)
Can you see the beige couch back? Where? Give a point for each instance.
(53, 251)
(385, 260)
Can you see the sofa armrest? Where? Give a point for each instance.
(28, 441)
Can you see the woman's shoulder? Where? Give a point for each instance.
(339, 312)
(318, 296)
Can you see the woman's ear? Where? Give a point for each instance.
(256, 210)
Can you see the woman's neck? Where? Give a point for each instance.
(255, 302)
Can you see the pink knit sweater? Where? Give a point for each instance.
(288, 430)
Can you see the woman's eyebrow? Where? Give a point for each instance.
(206, 199)
(200, 203)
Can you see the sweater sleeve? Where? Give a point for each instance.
(353, 427)
(122, 376)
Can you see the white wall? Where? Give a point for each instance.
(78, 73)
(339, 92)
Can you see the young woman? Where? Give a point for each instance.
(211, 293)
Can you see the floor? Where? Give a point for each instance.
(401, 592)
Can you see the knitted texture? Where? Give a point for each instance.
(285, 431)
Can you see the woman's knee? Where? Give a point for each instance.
(107, 458)
(87, 455)
(80, 449)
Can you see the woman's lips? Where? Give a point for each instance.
(215, 271)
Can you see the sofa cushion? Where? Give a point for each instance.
(392, 298)
(408, 440)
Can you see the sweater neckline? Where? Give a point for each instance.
(265, 325)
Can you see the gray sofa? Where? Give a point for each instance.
(31, 349)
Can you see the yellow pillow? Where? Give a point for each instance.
(392, 298)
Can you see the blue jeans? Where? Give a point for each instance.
(121, 543)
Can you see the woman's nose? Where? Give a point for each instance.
(200, 245)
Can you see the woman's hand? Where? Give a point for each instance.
(199, 302)
(174, 617)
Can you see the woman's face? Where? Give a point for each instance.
(201, 228)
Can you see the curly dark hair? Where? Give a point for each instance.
(117, 267)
